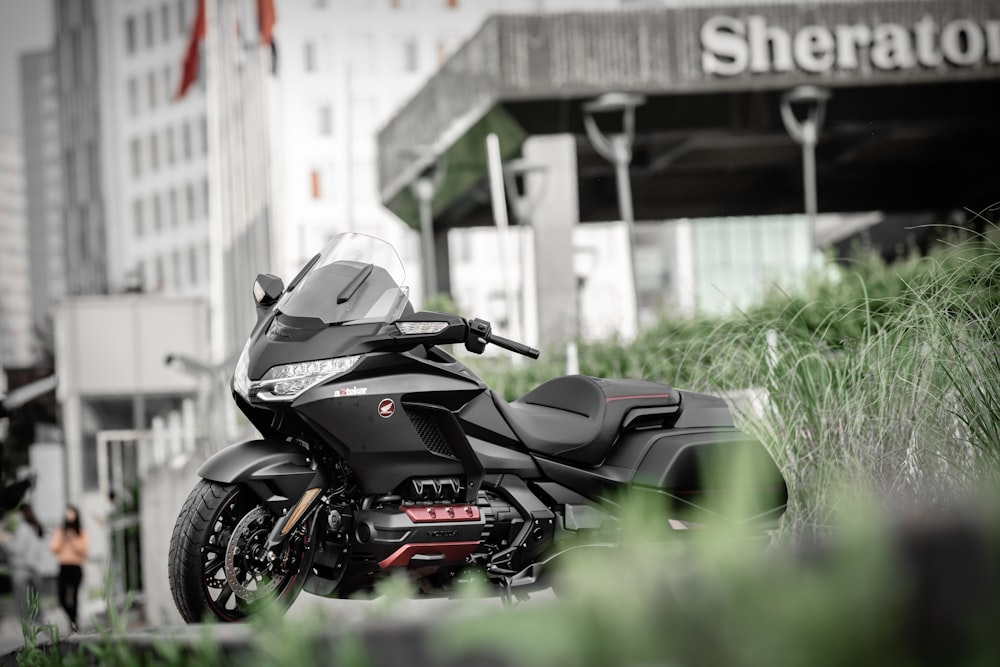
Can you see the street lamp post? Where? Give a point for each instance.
(218, 377)
(423, 188)
(811, 100)
(617, 149)
(423, 191)
(522, 204)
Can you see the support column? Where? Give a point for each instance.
(72, 413)
(554, 218)
(443, 261)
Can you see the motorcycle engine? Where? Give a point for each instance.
(426, 535)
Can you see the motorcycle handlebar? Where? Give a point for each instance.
(514, 346)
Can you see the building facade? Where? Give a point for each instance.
(77, 48)
(187, 202)
(16, 350)
(43, 174)
(155, 150)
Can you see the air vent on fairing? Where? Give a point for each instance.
(430, 433)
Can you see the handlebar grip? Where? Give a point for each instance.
(514, 346)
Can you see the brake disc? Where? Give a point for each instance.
(244, 566)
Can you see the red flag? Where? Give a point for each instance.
(192, 56)
(266, 19)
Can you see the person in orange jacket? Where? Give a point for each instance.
(69, 544)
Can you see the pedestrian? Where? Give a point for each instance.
(69, 544)
(24, 556)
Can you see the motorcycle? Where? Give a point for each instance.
(381, 452)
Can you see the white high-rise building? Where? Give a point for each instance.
(187, 178)
(15, 306)
(344, 68)
(154, 149)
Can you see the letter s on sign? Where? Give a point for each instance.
(724, 46)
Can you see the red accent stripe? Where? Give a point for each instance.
(442, 513)
(622, 398)
(452, 551)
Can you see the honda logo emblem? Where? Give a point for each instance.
(386, 407)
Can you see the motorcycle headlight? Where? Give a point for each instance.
(288, 381)
(241, 376)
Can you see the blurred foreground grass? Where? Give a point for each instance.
(917, 588)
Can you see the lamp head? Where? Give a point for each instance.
(616, 101)
(806, 94)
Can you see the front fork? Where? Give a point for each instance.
(299, 513)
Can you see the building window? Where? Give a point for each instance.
(85, 247)
(177, 268)
(157, 213)
(165, 22)
(172, 206)
(135, 152)
(315, 189)
(149, 28)
(204, 198)
(168, 139)
(181, 18)
(154, 152)
(410, 55)
(168, 83)
(138, 227)
(186, 140)
(151, 83)
(130, 34)
(325, 119)
(159, 273)
(203, 131)
(133, 97)
(70, 160)
(193, 264)
(189, 201)
(76, 53)
(309, 56)
(93, 168)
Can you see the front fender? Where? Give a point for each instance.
(277, 472)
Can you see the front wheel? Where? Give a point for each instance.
(216, 565)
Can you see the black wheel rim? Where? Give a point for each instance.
(219, 591)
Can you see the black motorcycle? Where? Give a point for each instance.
(381, 452)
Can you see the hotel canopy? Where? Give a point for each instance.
(911, 124)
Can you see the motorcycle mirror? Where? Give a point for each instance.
(266, 289)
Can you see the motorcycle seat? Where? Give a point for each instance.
(577, 418)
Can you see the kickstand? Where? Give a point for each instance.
(506, 598)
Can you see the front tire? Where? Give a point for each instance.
(210, 566)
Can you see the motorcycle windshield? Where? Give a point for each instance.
(355, 279)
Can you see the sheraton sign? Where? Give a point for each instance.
(733, 46)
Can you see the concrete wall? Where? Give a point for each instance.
(164, 491)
